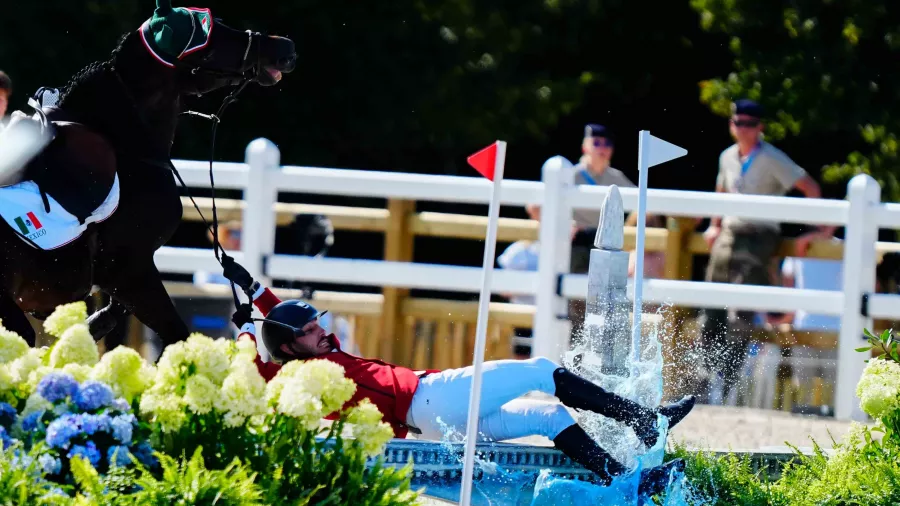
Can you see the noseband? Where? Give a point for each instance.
(251, 74)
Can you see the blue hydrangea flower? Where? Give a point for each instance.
(7, 415)
(118, 456)
(61, 409)
(30, 422)
(21, 460)
(88, 451)
(121, 405)
(56, 386)
(122, 428)
(61, 430)
(144, 453)
(54, 492)
(91, 424)
(93, 395)
(50, 464)
(5, 439)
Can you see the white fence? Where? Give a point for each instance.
(262, 177)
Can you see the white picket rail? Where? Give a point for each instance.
(262, 177)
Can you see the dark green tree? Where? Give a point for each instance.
(401, 85)
(822, 68)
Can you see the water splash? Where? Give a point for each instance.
(643, 384)
(495, 485)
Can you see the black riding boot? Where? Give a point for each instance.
(579, 393)
(578, 446)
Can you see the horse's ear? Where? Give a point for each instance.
(163, 7)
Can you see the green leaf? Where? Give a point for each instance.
(864, 348)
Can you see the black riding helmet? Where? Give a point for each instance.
(291, 316)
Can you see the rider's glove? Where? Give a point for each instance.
(237, 274)
(243, 315)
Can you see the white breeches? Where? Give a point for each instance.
(441, 401)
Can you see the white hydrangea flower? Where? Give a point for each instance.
(879, 388)
(200, 394)
(12, 346)
(368, 428)
(76, 346)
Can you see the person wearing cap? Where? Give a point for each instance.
(742, 250)
(425, 402)
(598, 147)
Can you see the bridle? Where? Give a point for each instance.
(246, 76)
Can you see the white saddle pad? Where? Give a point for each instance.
(22, 207)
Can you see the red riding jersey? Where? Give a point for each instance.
(389, 387)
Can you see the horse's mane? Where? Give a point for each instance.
(97, 96)
(89, 74)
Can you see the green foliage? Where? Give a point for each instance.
(190, 483)
(861, 471)
(181, 483)
(295, 464)
(886, 343)
(723, 480)
(22, 483)
(819, 68)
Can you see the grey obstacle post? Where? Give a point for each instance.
(607, 323)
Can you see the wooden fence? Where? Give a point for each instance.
(432, 333)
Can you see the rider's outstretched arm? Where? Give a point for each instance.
(263, 298)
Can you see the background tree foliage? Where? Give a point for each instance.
(824, 71)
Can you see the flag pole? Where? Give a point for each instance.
(638, 309)
(652, 151)
(484, 300)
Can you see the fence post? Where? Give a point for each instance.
(398, 247)
(864, 195)
(258, 223)
(551, 324)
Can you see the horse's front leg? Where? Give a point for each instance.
(141, 291)
(104, 321)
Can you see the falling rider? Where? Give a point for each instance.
(425, 402)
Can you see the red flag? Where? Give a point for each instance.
(484, 161)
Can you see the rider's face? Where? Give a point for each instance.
(4, 102)
(313, 341)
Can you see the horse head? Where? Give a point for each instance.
(207, 54)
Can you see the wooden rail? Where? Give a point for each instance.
(463, 226)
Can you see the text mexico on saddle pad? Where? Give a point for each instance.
(22, 207)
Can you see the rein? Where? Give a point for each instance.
(246, 78)
(215, 119)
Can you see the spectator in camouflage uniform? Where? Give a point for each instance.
(741, 250)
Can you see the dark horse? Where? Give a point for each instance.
(118, 117)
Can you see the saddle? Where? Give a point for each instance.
(70, 182)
